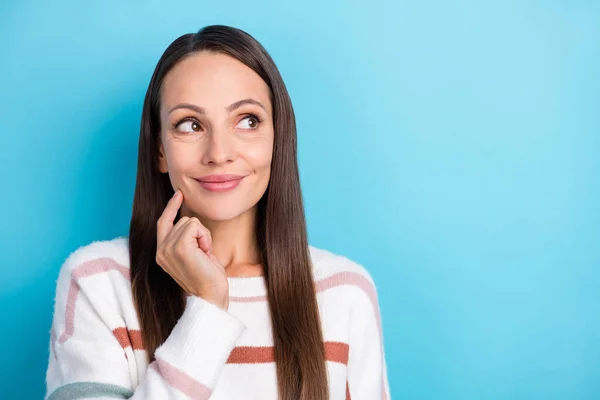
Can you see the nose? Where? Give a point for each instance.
(220, 147)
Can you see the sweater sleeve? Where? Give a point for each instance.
(367, 369)
(87, 360)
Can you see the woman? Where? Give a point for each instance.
(215, 293)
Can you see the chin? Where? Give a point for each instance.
(222, 208)
(222, 215)
(220, 212)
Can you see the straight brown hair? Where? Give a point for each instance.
(280, 228)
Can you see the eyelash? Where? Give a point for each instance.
(257, 117)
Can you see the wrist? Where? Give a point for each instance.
(223, 304)
(218, 299)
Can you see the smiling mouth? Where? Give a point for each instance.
(220, 185)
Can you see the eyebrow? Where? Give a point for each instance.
(229, 108)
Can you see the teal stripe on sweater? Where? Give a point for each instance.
(85, 390)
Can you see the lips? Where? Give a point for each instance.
(220, 183)
(219, 178)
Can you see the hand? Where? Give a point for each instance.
(184, 250)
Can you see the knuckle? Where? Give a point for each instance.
(178, 248)
(166, 252)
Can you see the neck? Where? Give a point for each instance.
(234, 243)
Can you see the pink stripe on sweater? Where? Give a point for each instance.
(70, 312)
(334, 352)
(97, 266)
(181, 381)
(248, 299)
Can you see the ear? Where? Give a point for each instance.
(162, 160)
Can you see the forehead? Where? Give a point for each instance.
(212, 80)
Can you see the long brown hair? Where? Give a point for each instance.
(280, 228)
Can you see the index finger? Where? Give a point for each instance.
(165, 222)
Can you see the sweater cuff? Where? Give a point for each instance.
(201, 341)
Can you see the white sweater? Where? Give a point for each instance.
(96, 349)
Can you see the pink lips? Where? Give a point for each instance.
(220, 183)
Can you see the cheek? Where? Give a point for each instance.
(260, 160)
(179, 158)
(260, 157)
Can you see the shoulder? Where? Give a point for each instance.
(116, 249)
(327, 264)
(333, 270)
(347, 288)
(93, 282)
(95, 260)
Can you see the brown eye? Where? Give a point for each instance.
(189, 126)
(249, 122)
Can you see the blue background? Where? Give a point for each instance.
(452, 148)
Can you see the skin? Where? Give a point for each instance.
(214, 237)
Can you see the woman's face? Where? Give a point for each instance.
(216, 118)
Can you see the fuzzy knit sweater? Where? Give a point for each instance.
(97, 352)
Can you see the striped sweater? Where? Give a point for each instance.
(96, 349)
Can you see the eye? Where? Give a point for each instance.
(249, 122)
(188, 126)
